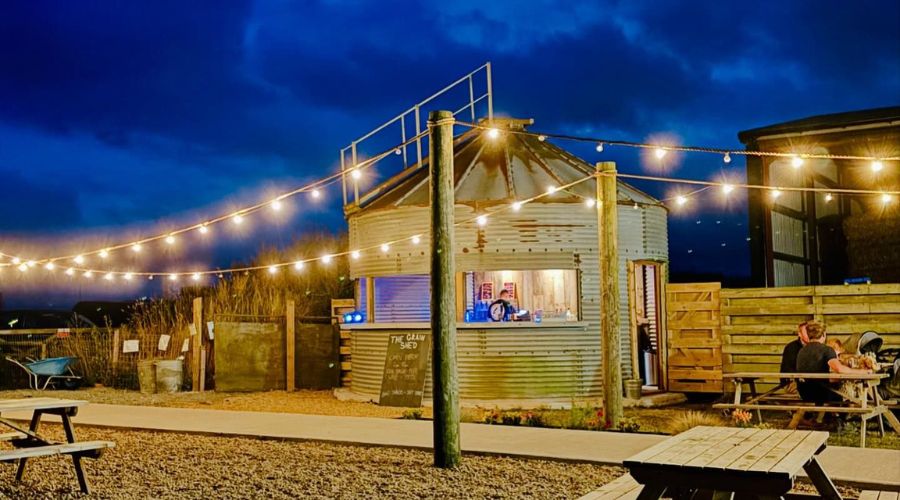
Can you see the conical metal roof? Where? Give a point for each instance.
(501, 170)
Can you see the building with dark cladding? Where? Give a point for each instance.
(813, 238)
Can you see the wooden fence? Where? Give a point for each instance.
(756, 323)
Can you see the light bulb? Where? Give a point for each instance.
(828, 197)
(796, 162)
(104, 253)
(877, 166)
(195, 276)
(356, 174)
(108, 276)
(398, 152)
(237, 219)
(727, 188)
(493, 133)
(127, 276)
(589, 202)
(542, 138)
(599, 147)
(16, 261)
(517, 206)
(775, 194)
(273, 269)
(315, 193)
(354, 254)
(680, 200)
(170, 240)
(173, 277)
(136, 248)
(660, 152)
(70, 271)
(416, 239)
(482, 220)
(79, 259)
(326, 259)
(88, 274)
(23, 267)
(551, 189)
(203, 229)
(49, 266)
(31, 263)
(298, 265)
(726, 158)
(886, 198)
(276, 205)
(385, 247)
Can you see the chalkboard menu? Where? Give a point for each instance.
(405, 365)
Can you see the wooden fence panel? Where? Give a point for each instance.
(693, 337)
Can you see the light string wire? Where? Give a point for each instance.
(763, 187)
(665, 147)
(310, 187)
(326, 258)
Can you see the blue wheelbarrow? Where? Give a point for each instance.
(51, 371)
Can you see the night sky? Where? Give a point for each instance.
(119, 119)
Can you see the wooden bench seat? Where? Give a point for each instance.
(90, 449)
(625, 487)
(879, 495)
(794, 407)
(11, 436)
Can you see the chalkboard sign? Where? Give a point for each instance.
(403, 382)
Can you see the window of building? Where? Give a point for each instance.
(548, 295)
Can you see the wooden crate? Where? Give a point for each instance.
(693, 337)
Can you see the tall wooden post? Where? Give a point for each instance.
(196, 345)
(608, 232)
(289, 342)
(443, 292)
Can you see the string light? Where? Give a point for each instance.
(398, 152)
(660, 153)
(276, 205)
(136, 248)
(589, 202)
(886, 198)
(195, 276)
(31, 263)
(877, 166)
(326, 259)
(416, 239)
(104, 253)
(23, 267)
(88, 274)
(315, 193)
(385, 247)
(298, 265)
(551, 190)
(828, 197)
(517, 206)
(108, 276)
(680, 200)
(356, 174)
(727, 158)
(170, 240)
(273, 269)
(493, 133)
(776, 194)
(542, 138)
(727, 188)
(173, 277)
(482, 220)
(49, 266)
(203, 229)
(237, 219)
(70, 272)
(796, 161)
(79, 259)
(599, 147)
(16, 261)
(127, 276)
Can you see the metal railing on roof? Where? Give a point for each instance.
(350, 153)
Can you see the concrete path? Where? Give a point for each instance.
(866, 467)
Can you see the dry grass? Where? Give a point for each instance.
(689, 419)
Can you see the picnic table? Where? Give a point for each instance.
(866, 403)
(760, 462)
(29, 443)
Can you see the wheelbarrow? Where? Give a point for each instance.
(50, 370)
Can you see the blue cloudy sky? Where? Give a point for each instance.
(121, 118)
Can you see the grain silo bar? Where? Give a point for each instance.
(527, 282)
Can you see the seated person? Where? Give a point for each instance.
(816, 357)
(789, 355)
(860, 361)
(501, 309)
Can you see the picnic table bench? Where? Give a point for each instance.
(28, 443)
(869, 405)
(728, 460)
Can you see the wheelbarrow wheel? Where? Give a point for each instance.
(70, 384)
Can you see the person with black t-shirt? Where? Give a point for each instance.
(816, 357)
(501, 309)
(789, 355)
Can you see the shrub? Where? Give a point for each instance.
(629, 424)
(492, 417)
(532, 419)
(690, 419)
(511, 418)
(412, 414)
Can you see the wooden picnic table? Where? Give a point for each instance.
(760, 462)
(29, 443)
(868, 405)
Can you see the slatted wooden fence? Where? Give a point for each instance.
(694, 337)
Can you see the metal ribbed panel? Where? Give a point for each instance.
(499, 363)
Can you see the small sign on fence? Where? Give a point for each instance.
(186, 345)
(164, 342)
(131, 346)
(209, 328)
(405, 365)
(192, 329)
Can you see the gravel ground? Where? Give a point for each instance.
(169, 465)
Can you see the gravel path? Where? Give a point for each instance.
(169, 465)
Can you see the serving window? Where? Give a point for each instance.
(540, 295)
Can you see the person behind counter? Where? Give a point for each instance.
(501, 309)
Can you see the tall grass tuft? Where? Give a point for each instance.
(690, 419)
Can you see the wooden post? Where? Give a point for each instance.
(370, 300)
(203, 358)
(289, 346)
(443, 292)
(196, 344)
(607, 228)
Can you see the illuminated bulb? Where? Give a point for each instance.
(517, 206)
(136, 248)
(551, 189)
(727, 188)
(680, 200)
(493, 133)
(315, 193)
(170, 240)
(237, 219)
(726, 158)
(356, 174)
(49, 266)
(385, 247)
(16, 261)
(828, 197)
(589, 202)
(660, 152)
(796, 162)
(276, 205)
(326, 259)
(877, 166)
(203, 229)
(886, 198)
(354, 254)
(416, 239)
(542, 138)
(775, 194)
(108, 276)
(88, 274)
(482, 220)
(398, 152)
(298, 265)
(79, 259)
(23, 267)
(599, 147)
(273, 269)
(635, 206)
(31, 263)
(70, 271)
(195, 276)
(127, 276)
(173, 277)
(104, 253)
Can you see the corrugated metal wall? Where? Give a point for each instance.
(539, 236)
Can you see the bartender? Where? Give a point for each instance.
(501, 309)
